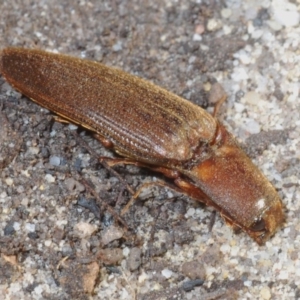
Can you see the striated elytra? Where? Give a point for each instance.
(147, 124)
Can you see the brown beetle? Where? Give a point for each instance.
(147, 124)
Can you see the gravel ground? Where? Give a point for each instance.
(58, 241)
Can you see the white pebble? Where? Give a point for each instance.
(30, 227)
(248, 283)
(117, 46)
(17, 226)
(245, 58)
(197, 37)
(167, 273)
(227, 29)
(274, 25)
(9, 181)
(143, 277)
(256, 34)
(234, 251)
(213, 25)
(191, 211)
(53, 133)
(49, 178)
(251, 98)
(239, 74)
(225, 248)
(170, 195)
(126, 251)
(38, 290)
(239, 107)
(73, 127)
(33, 150)
(252, 126)
(283, 275)
(287, 18)
(48, 243)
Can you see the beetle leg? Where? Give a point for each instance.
(182, 186)
(108, 163)
(105, 162)
(113, 161)
(231, 223)
(146, 185)
(218, 105)
(103, 202)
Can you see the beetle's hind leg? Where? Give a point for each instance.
(147, 185)
(218, 96)
(218, 105)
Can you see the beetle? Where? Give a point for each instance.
(147, 124)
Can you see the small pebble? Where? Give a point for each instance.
(265, 293)
(111, 256)
(213, 25)
(197, 37)
(17, 226)
(134, 259)
(9, 229)
(54, 161)
(239, 107)
(49, 178)
(191, 284)
(251, 98)
(200, 29)
(274, 25)
(252, 126)
(85, 230)
(126, 251)
(117, 46)
(110, 234)
(73, 184)
(167, 273)
(73, 127)
(193, 269)
(33, 150)
(9, 181)
(48, 243)
(30, 227)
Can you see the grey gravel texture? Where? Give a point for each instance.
(58, 241)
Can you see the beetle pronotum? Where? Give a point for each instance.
(147, 124)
